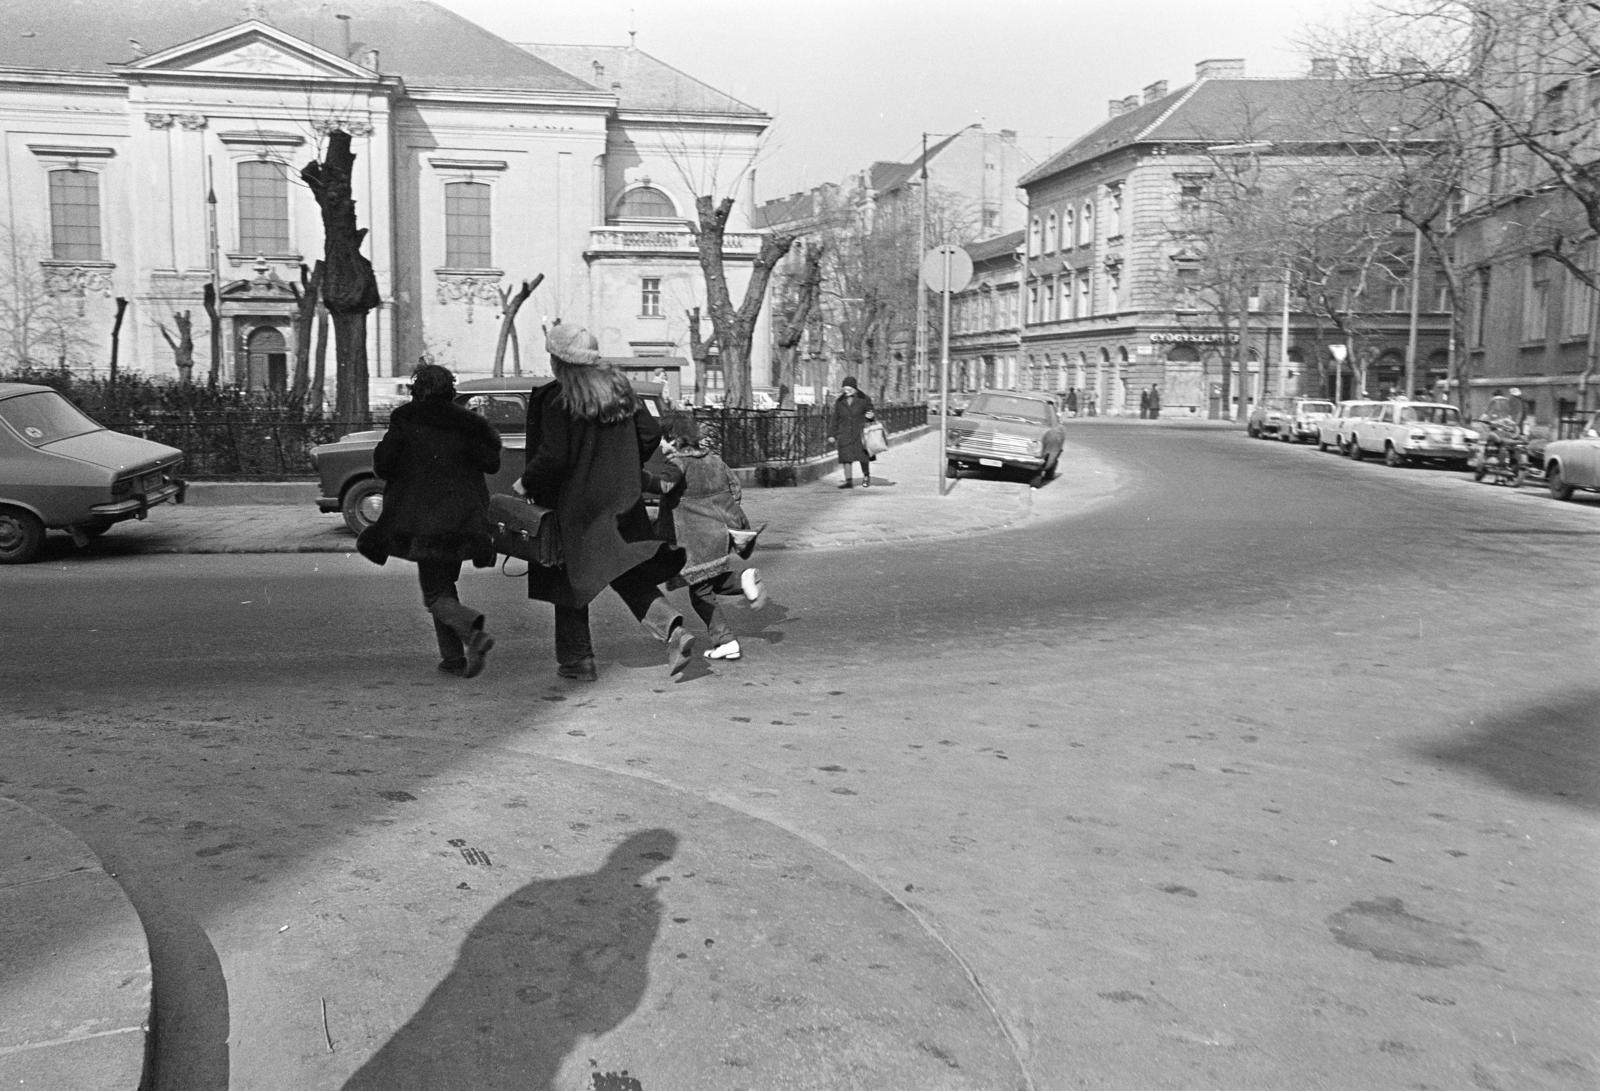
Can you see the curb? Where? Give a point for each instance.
(75, 1010)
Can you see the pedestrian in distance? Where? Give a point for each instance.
(701, 511)
(432, 460)
(1155, 402)
(1072, 402)
(1144, 404)
(1093, 403)
(588, 438)
(851, 412)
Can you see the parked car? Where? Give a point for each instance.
(1001, 429)
(1269, 417)
(1305, 418)
(1572, 464)
(59, 470)
(350, 487)
(1406, 431)
(1332, 431)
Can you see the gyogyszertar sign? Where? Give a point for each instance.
(1194, 339)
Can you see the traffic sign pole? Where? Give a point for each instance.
(945, 269)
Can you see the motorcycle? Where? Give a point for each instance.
(1503, 457)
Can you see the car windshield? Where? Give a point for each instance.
(1430, 414)
(1316, 407)
(507, 412)
(1025, 409)
(44, 418)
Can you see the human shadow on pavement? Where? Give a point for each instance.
(1545, 750)
(558, 961)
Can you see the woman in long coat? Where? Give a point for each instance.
(436, 508)
(851, 412)
(588, 438)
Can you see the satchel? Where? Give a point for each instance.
(875, 439)
(526, 530)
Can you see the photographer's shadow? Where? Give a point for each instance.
(558, 961)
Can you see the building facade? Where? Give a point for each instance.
(1110, 292)
(986, 324)
(480, 165)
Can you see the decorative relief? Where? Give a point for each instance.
(469, 288)
(159, 121)
(616, 238)
(192, 122)
(326, 125)
(77, 281)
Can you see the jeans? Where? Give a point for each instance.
(703, 597)
(643, 599)
(453, 623)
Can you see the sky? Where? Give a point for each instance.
(851, 82)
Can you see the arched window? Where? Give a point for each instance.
(1086, 224)
(1033, 237)
(646, 203)
(1067, 229)
(1050, 233)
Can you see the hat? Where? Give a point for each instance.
(850, 380)
(572, 344)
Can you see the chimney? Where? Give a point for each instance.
(599, 74)
(1324, 68)
(344, 20)
(1228, 68)
(1130, 103)
(372, 59)
(1114, 108)
(1156, 90)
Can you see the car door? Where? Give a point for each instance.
(1584, 462)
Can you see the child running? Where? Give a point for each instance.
(700, 511)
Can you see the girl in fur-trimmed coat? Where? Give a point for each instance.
(701, 511)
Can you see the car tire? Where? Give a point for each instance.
(1559, 489)
(952, 469)
(1352, 449)
(1392, 456)
(1252, 431)
(21, 536)
(1322, 444)
(362, 504)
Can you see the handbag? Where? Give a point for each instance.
(526, 530)
(875, 439)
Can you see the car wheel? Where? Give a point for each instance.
(952, 468)
(1558, 487)
(1392, 456)
(1252, 431)
(362, 504)
(1352, 449)
(1322, 444)
(21, 536)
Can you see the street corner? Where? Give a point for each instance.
(624, 926)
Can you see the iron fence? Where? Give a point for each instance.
(275, 445)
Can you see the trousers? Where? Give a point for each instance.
(643, 599)
(453, 623)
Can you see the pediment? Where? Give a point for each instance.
(251, 49)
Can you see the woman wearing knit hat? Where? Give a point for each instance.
(851, 413)
(588, 438)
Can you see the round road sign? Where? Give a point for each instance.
(946, 268)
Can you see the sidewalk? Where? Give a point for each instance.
(75, 987)
(904, 504)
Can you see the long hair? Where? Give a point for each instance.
(597, 392)
(430, 382)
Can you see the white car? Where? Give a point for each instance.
(1305, 418)
(1332, 431)
(1572, 464)
(1407, 431)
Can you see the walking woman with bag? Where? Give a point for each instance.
(851, 412)
(436, 508)
(588, 438)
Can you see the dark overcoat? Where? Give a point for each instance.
(435, 501)
(699, 505)
(590, 474)
(849, 419)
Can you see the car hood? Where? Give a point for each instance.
(975, 422)
(114, 450)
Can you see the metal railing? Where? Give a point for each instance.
(246, 446)
(757, 437)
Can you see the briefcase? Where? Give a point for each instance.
(524, 529)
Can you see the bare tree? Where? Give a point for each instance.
(349, 287)
(182, 345)
(307, 296)
(509, 306)
(797, 304)
(38, 327)
(734, 326)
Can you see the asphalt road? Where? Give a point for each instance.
(1280, 772)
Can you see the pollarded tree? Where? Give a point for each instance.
(733, 326)
(349, 286)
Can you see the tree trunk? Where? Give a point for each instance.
(306, 296)
(734, 326)
(209, 301)
(116, 335)
(700, 353)
(182, 345)
(509, 306)
(319, 369)
(794, 326)
(349, 287)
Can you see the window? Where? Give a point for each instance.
(1033, 237)
(1033, 302)
(1050, 233)
(1068, 229)
(1579, 302)
(650, 297)
(1536, 300)
(467, 226)
(1190, 193)
(1114, 291)
(1085, 296)
(75, 215)
(646, 203)
(1114, 212)
(1480, 307)
(263, 208)
(1086, 224)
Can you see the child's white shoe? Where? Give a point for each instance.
(754, 590)
(730, 650)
